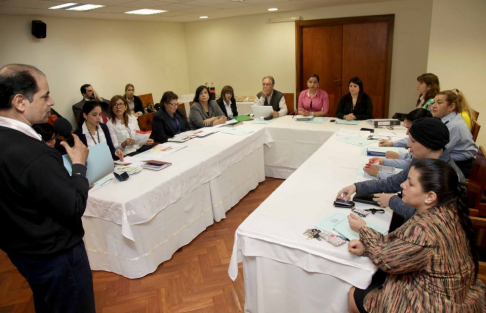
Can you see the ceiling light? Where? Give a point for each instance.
(62, 6)
(86, 7)
(146, 11)
(204, 16)
(273, 9)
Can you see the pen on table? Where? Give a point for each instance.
(198, 132)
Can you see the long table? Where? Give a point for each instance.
(133, 226)
(283, 270)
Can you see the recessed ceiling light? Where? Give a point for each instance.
(204, 16)
(146, 11)
(62, 6)
(86, 7)
(273, 9)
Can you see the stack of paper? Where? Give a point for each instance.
(344, 122)
(381, 151)
(131, 169)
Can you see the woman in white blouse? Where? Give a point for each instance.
(123, 126)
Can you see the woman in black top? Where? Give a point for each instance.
(356, 105)
(169, 120)
(227, 102)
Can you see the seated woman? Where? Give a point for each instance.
(431, 262)
(123, 126)
(428, 86)
(428, 137)
(463, 150)
(227, 102)
(134, 103)
(313, 101)
(92, 131)
(205, 113)
(394, 159)
(356, 105)
(169, 120)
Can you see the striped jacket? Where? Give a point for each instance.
(429, 266)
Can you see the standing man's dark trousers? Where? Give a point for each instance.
(62, 283)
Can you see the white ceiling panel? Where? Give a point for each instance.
(179, 10)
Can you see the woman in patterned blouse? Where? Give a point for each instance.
(431, 263)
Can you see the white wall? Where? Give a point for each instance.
(240, 51)
(457, 51)
(105, 53)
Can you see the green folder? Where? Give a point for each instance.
(242, 118)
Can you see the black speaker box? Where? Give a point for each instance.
(39, 29)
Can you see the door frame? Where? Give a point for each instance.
(300, 25)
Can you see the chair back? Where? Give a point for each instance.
(475, 130)
(145, 121)
(475, 114)
(289, 101)
(476, 183)
(182, 106)
(146, 99)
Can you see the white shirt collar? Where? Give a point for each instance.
(19, 126)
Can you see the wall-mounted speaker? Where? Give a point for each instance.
(39, 29)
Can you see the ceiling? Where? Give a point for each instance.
(178, 10)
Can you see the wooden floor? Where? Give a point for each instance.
(194, 280)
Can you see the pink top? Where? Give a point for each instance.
(320, 102)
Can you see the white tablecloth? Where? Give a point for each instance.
(133, 226)
(279, 263)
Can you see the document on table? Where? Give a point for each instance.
(343, 229)
(237, 131)
(381, 151)
(344, 122)
(159, 151)
(230, 122)
(260, 122)
(356, 141)
(317, 120)
(356, 133)
(203, 132)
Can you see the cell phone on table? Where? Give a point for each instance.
(341, 203)
(332, 121)
(371, 130)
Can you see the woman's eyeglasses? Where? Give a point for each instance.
(119, 105)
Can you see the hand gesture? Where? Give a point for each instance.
(77, 153)
(347, 192)
(355, 222)
(356, 247)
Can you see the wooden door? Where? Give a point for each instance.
(338, 49)
(322, 48)
(364, 52)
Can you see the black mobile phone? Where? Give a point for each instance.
(268, 117)
(332, 121)
(371, 130)
(341, 203)
(121, 177)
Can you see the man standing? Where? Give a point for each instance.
(270, 96)
(40, 204)
(89, 93)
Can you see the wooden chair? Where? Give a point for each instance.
(475, 114)
(289, 100)
(146, 99)
(145, 121)
(182, 106)
(475, 130)
(476, 184)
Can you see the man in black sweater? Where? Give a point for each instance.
(40, 204)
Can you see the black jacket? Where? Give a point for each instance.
(138, 106)
(162, 128)
(223, 107)
(363, 109)
(109, 142)
(41, 205)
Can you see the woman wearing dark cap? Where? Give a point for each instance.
(428, 138)
(430, 263)
(356, 105)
